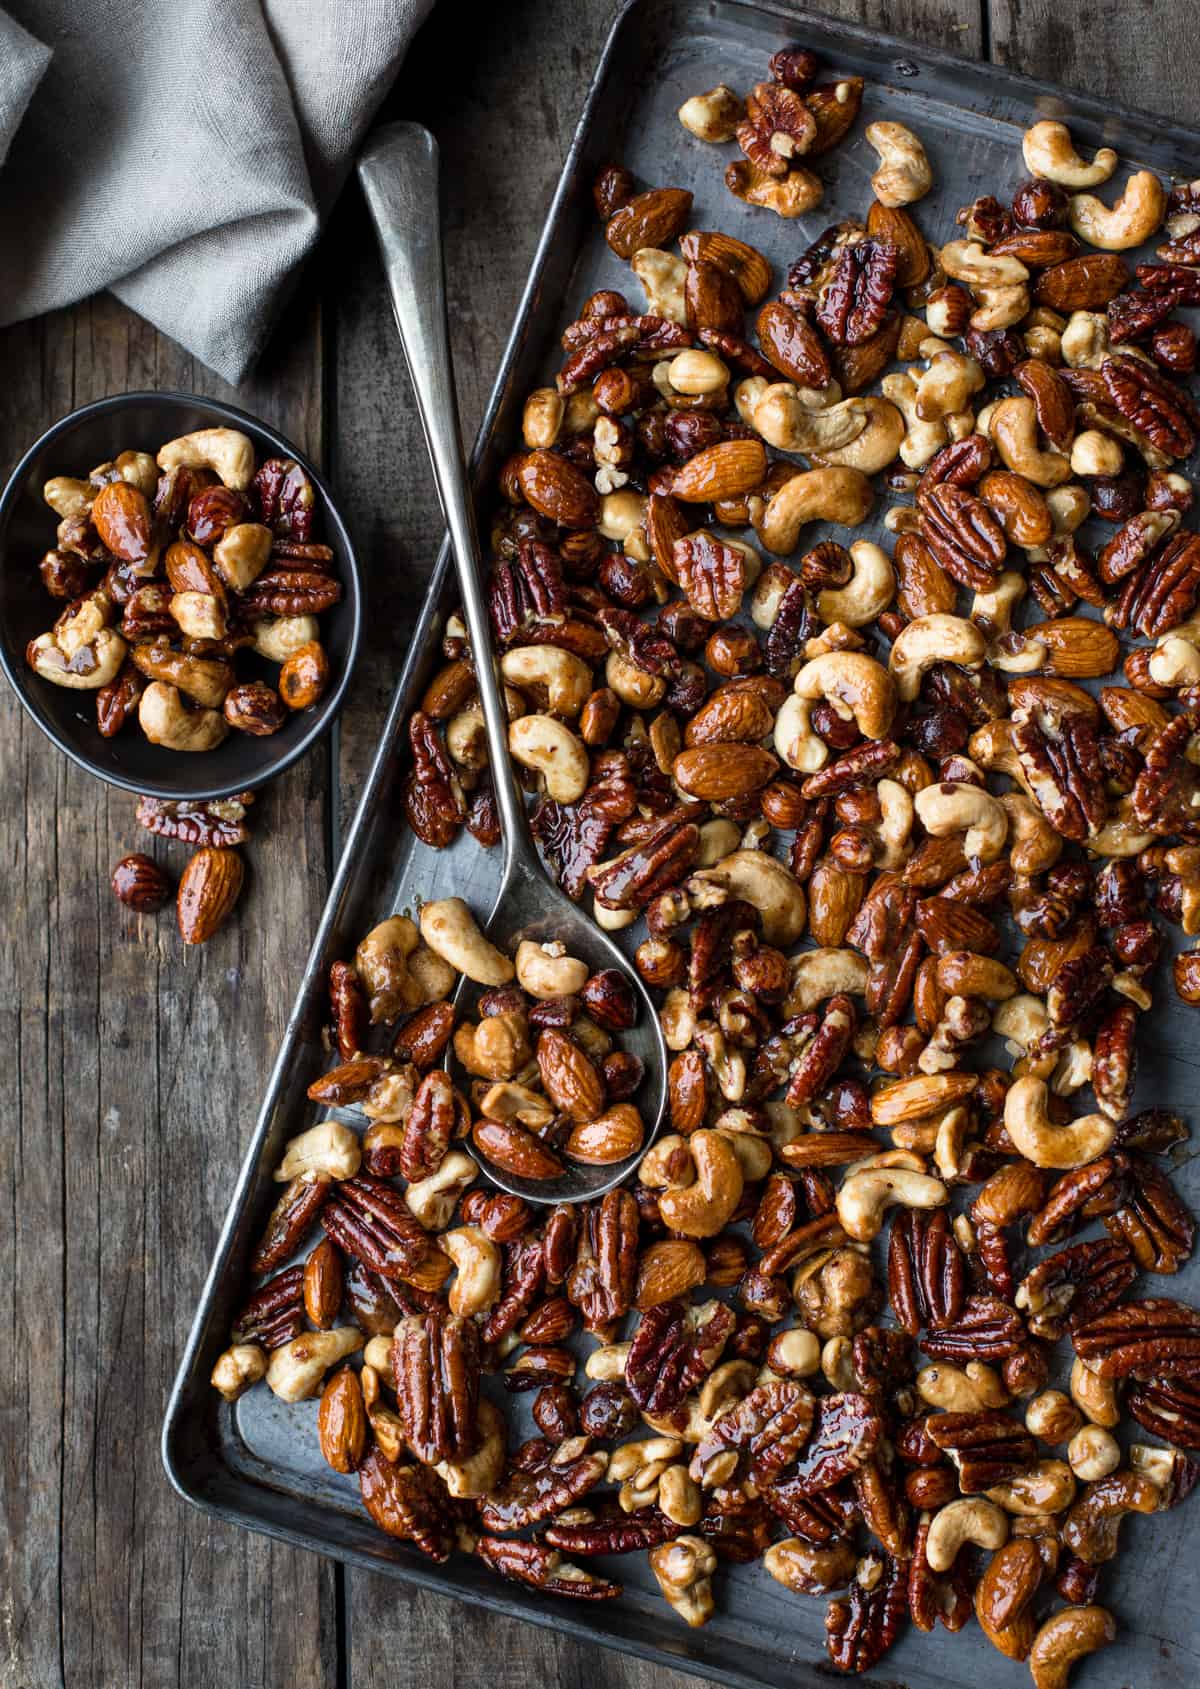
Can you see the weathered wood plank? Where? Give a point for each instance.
(135, 1073)
(1139, 55)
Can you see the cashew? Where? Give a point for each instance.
(567, 679)
(328, 1147)
(904, 175)
(836, 495)
(1020, 1021)
(923, 440)
(1039, 1140)
(237, 1369)
(702, 1207)
(67, 496)
(480, 1472)
(795, 740)
(662, 276)
(1175, 662)
(893, 834)
(970, 1519)
(89, 665)
(863, 1197)
(281, 638)
(967, 261)
(1000, 307)
(967, 1389)
(994, 608)
(542, 743)
(450, 930)
(1132, 220)
(947, 384)
(296, 1369)
(713, 116)
(1034, 844)
(718, 839)
(545, 970)
(927, 640)
(771, 888)
(787, 423)
(633, 686)
(876, 446)
(1049, 151)
(858, 688)
(542, 418)
(817, 975)
(684, 1569)
(225, 450)
(166, 720)
(1014, 430)
(434, 1199)
(477, 1284)
(1066, 1637)
(950, 807)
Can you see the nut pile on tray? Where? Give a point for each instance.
(173, 565)
(892, 759)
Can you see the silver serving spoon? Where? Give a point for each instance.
(399, 173)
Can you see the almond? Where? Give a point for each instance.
(1018, 505)
(926, 1093)
(649, 219)
(189, 570)
(342, 1421)
(857, 367)
(611, 1136)
(323, 1284)
(514, 1150)
(1052, 398)
(665, 523)
(749, 269)
(1078, 647)
(571, 1078)
(208, 890)
(1038, 248)
(717, 772)
(449, 690)
(1086, 283)
(559, 491)
(894, 225)
(730, 714)
(666, 1270)
(121, 516)
(720, 471)
(834, 899)
(1123, 707)
(1040, 691)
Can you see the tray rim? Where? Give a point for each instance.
(1083, 107)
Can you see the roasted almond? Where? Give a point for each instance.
(947, 925)
(323, 1284)
(731, 714)
(834, 105)
(665, 524)
(449, 689)
(1041, 691)
(342, 1421)
(559, 491)
(1036, 248)
(1086, 283)
(189, 569)
(121, 516)
(923, 588)
(514, 1150)
(712, 300)
(834, 899)
(1022, 511)
(793, 345)
(649, 219)
(717, 772)
(666, 1270)
(1078, 647)
(857, 367)
(894, 225)
(720, 471)
(1123, 707)
(749, 269)
(925, 1093)
(612, 1136)
(571, 1078)
(208, 889)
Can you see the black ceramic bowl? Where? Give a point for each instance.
(95, 434)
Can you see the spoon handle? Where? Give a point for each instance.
(398, 169)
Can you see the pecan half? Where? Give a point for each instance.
(1153, 1221)
(435, 1365)
(543, 1568)
(1154, 405)
(767, 1430)
(862, 1626)
(1069, 1289)
(987, 1447)
(370, 1220)
(603, 1280)
(927, 1271)
(671, 1353)
(540, 1489)
(409, 1502)
(846, 1430)
(1168, 1408)
(986, 1330)
(613, 1533)
(1060, 760)
(1154, 1336)
(859, 291)
(275, 1312)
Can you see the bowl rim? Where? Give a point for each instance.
(330, 706)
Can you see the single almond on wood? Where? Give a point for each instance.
(208, 890)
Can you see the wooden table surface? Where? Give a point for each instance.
(134, 1069)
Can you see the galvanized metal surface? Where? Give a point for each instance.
(258, 1463)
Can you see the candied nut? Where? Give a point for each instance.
(904, 174)
(1029, 1124)
(971, 1519)
(1133, 219)
(304, 676)
(140, 884)
(1066, 1637)
(449, 929)
(713, 116)
(683, 1569)
(342, 1421)
(237, 1369)
(296, 1368)
(254, 708)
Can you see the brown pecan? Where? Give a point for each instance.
(370, 1220)
(351, 1015)
(524, 1276)
(789, 632)
(961, 534)
(927, 1272)
(291, 1219)
(1155, 406)
(275, 1312)
(1134, 314)
(438, 1114)
(986, 1446)
(1152, 1221)
(778, 128)
(291, 592)
(1167, 791)
(543, 1568)
(525, 590)
(1095, 1189)
(846, 1429)
(987, 1329)
(712, 574)
(409, 1502)
(1113, 1061)
(638, 875)
(1168, 1408)
(1069, 1289)
(767, 1429)
(435, 1365)
(613, 1533)
(859, 291)
(1156, 1336)
(1061, 764)
(822, 1055)
(433, 797)
(602, 1282)
(861, 1627)
(933, 1596)
(218, 823)
(1165, 591)
(539, 1490)
(671, 1354)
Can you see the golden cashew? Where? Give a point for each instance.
(433, 1200)
(893, 834)
(1039, 1140)
(927, 640)
(858, 688)
(566, 678)
(1094, 453)
(281, 638)
(198, 615)
(952, 807)
(967, 261)
(684, 1569)
(477, 1283)
(863, 1197)
(226, 451)
(677, 1017)
(1085, 342)
(1120, 834)
(713, 116)
(480, 1472)
(994, 608)
(788, 424)
(450, 930)
(967, 1389)
(796, 741)
(767, 884)
(808, 1570)
(1014, 430)
(1132, 220)
(1034, 844)
(718, 839)
(817, 975)
(296, 1369)
(241, 554)
(866, 594)
(166, 720)
(1021, 1021)
(85, 668)
(970, 1519)
(541, 743)
(607, 1363)
(633, 686)
(904, 173)
(237, 1369)
(702, 1208)
(1049, 151)
(1066, 1637)
(836, 495)
(542, 418)
(922, 440)
(328, 1147)
(545, 970)
(947, 384)
(876, 446)
(1000, 307)
(1069, 507)
(67, 496)
(662, 276)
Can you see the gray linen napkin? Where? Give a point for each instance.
(183, 154)
(22, 61)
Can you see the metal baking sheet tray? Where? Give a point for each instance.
(257, 1462)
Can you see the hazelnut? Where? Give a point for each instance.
(139, 883)
(1040, 204)
(304, 677)
(254, 708)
